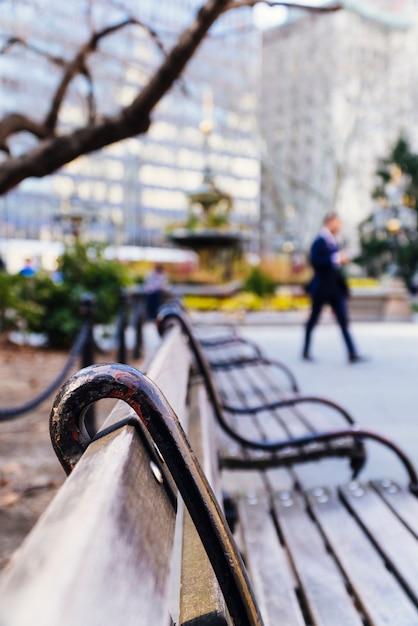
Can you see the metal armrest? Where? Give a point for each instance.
(278, 404)
(243, 362)
(156, 420)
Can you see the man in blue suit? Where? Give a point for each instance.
(328, 285)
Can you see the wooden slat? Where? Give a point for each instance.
(402, 502)
(170, 369)
(92, 557)
(201, 601)
(267, 565)
(378, 593)
(322, 585)
(397, 544)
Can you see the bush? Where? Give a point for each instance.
(9, 298)
(259, 283)
(54, 307)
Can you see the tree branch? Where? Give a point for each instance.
(13, 41)
(236, 4)
(16, 123)
(78, 66)
(133, 119)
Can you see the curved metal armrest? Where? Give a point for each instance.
(214, 342)
(278, 404)
(237, 363)
(156, 418)
(358, 434)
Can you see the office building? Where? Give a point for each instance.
(337, 91)
(133, 190)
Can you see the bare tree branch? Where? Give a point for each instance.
(55, 151)
(15, 123)
(78, 66)
(235, 4)
(17, 41)
(132, 120)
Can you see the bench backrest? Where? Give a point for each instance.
(101, 552)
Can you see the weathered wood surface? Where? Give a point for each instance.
(201, 601)
(318, 557)
(101, 552)
(310, 559)
(91, 559)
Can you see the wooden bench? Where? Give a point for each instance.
(103, 551)
(256, 399)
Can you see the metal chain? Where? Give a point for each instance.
(12, 412)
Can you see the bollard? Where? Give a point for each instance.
(121, 330)
(138, 321)
(87, 304)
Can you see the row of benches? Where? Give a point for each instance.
(117, 546)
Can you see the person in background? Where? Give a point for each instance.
(155, 286)
(27, 269)
(329, 286)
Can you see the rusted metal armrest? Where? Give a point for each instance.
(156, 421)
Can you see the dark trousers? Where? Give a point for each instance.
(338, 305)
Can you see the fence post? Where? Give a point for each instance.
(87, 303)
(139, 319)
(121, 330)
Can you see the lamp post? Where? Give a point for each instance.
(393, 227)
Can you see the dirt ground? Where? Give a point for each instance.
(30, 473)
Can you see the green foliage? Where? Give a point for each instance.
(402, 156)
(259, 282)
(377, 252)
(9, 298)
(54, 307)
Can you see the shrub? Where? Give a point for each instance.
(259, 282)
(54, 307)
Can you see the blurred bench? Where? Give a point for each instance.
(107, 549)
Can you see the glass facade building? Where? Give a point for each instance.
(131, 191)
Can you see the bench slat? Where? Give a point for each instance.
(267, 565)
(382, 599)
(201, 601)
(322, 585)
(66, 571)
(398, 545)
(170, 369)
(400, 501)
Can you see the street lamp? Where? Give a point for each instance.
(393, 226)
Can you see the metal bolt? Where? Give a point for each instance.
(156, 472)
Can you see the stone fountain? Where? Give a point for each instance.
(207, 230)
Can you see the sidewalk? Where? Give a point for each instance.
(382, 394)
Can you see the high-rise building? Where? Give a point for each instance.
(133, 190)
(337, 91)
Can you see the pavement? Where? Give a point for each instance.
(381, 394)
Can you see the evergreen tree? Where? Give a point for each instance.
(379, 246)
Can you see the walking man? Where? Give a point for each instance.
(328, 285)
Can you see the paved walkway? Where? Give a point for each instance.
(382, 394)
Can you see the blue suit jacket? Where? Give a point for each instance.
(328, 281)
